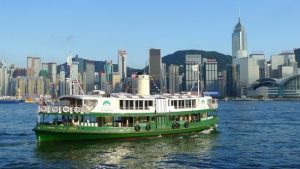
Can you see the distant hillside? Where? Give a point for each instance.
(178, 58)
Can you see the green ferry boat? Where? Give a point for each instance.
(123, 115)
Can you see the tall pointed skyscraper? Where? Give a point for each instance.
(239, 42)
(122, 63)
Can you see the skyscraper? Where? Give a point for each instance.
(231, 81)
(210, 76)
(192, 76)
(62, 81)
(90, 76)
(122, 63)
(33, 66)
(116, 82)
(155, 70)
(239, 42)
(3, 79)
(75, 77)
(175, 79)
(164, 77)
(249, 72)
(51, 69)
(108, 68)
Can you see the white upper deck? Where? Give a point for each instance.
(128, 103)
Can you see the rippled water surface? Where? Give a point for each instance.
(250, 135)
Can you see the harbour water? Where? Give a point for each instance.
(254, 134)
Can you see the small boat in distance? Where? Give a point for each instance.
(10, 100)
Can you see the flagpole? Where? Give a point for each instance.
(198, 81)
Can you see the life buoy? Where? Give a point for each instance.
(178, 125)
(66, 109)
(196, 117)
(43, 109)
(175, 125)
(54, 109)
(77, 109)
(137, 127)
(148, 127)
(186, 124)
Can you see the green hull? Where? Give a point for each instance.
(58, 133)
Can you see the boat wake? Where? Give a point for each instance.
(208, 131)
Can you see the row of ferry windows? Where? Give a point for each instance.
(135, 104)
(144, 104)
(181, 104)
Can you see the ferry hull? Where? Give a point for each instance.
(85, 133)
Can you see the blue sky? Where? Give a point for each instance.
(97, 29)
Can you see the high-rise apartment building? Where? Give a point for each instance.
(122, 63)
(116, 82)
(155, 70)
(175, 79)
(103, 82)
(106, 82)
(33, 66)
(51, 70)
(239, 43)
(249, 72)
(231, 81)
(261, 62)
(164, 77)
(283, 64)
(90, 76)
(192, 75)
(30, 86)
(21, 85)
(108, 70)
(3, 79)
(62, 81)
(210, 76)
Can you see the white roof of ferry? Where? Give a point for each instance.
(131, 96)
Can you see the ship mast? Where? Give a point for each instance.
(198, 81)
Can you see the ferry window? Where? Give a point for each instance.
(141, 105)
(150, 103)
(92, 119)
(127, 104)
(189, 105)
(172, 102)
(175, 104)
(172, 118)
(131, 104)
(146, 104)
(90, 104)
(121, 105)
(136, 105)
(193, 103)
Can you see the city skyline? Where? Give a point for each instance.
(97, 30)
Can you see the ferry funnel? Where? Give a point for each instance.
(143, 85)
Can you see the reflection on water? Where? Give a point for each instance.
(137, 153)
